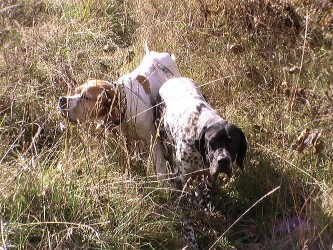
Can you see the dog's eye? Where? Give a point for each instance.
(228, 139)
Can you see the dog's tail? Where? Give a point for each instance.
(146, 48)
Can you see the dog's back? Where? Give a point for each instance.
(177, 89)
(186, 107)
(139, 115)
(158, 67)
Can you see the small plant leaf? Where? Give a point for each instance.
(236, 49)
(293, 69)
(309, 137)
(298, 94)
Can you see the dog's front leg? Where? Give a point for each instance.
(159, 161)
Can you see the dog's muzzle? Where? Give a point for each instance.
(62, 103)
(222, 164)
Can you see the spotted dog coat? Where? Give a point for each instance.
(194, 137)
(196, 141)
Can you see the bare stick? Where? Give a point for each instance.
(4, 247)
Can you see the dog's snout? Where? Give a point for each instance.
(62, 102)
(224, 165)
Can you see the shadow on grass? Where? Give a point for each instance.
(289, 218)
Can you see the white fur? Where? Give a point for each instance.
(140, 111)
(139, 123)
(139, 115)
(155, 76)
(182, 97)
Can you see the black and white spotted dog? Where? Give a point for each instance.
(194, 137)
(197, 142)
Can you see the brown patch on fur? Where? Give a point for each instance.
(103, 97)
(108, 104)
(112, 106)
(145, 83)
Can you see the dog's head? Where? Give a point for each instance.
(93, 100)
(221, 143)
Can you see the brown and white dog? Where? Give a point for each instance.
(128, 102)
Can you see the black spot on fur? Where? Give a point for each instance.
(200, 107)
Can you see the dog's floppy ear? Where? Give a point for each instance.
(200, 144)
(105, 100)
(146, 48)
(110, 106)
(241, 150)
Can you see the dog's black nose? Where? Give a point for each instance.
(225, 166)
(62, 102)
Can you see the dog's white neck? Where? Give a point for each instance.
(165, 70)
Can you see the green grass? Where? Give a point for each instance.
(82, 188)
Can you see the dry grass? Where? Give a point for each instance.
(265, 65)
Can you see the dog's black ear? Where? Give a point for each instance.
(241, 150)
(200, 144)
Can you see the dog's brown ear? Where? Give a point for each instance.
(110, 106)
(145, 83)
(241, 150)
